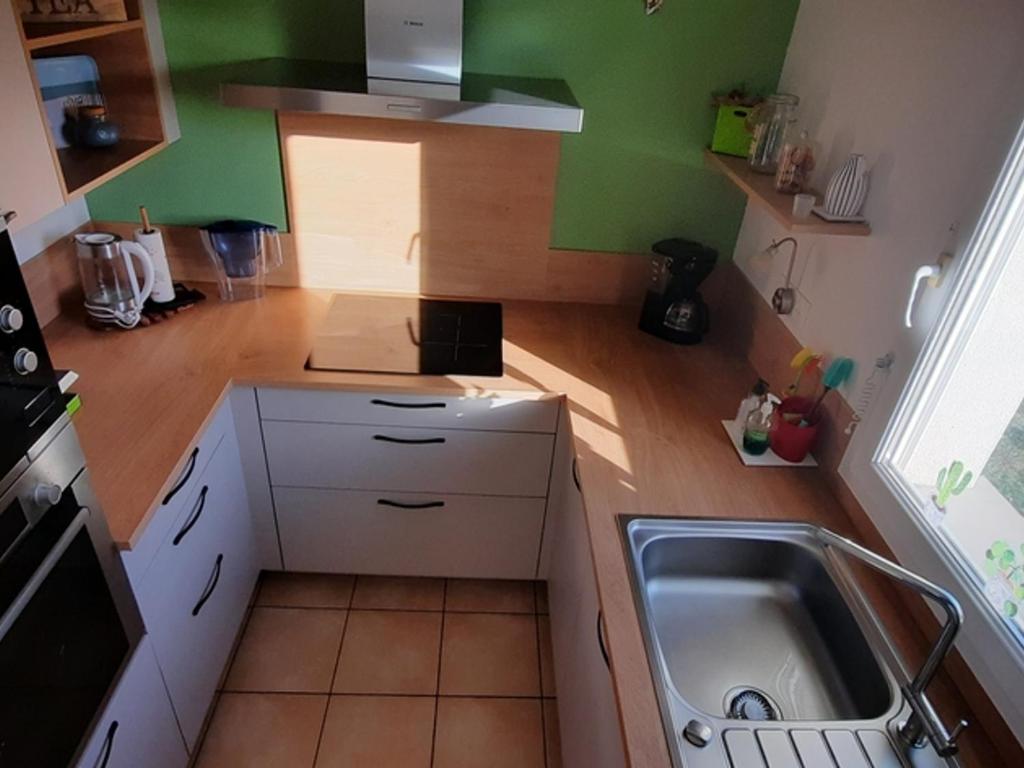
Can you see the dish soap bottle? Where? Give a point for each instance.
(758, 425)
(752, 401)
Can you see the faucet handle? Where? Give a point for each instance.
(954, 735)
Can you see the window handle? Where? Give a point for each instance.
(934, 274)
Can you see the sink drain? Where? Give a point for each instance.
(750, 704)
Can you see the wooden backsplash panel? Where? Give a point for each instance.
(429, 208)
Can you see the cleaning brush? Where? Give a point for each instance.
(803, 361)
(838, 371)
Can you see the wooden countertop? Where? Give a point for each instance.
(645, 416)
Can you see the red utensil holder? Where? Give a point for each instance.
(788, 439)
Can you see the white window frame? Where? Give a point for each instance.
(991, 648)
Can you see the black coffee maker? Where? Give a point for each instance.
(673, 308)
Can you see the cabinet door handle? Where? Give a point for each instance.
(576, 474)
(108, 745)
(411, 440)
(600, 638)
(412, 406)
(410, 505)
(193, 518)
(184, 478)
(210, 585)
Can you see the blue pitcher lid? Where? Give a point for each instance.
(237, 226)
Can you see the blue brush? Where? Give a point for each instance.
(838, 371)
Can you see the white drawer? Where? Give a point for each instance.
(354, 457)
(179, 492)
(433, 535)
(137, 726)
(503, 414)
(194, 596)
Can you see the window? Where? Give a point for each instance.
(954, 451)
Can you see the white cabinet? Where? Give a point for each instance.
(535, 413)
(408, 484)
(194, 594)
(587, 709)
(409, 534)
(137, 727)
(357, 457)
(28, 182)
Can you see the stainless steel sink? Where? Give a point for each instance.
(764, 651)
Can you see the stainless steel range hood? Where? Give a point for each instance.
(413, 71)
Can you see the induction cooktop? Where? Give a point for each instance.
(407, 334)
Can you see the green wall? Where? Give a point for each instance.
(633, 176)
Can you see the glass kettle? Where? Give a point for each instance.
(106, 264)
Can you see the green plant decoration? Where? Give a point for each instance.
(1005, 586)
(952, 481)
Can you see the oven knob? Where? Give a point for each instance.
(11, 319)
(46, 494)
(25, 361)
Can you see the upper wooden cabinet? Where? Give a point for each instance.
(38, 176)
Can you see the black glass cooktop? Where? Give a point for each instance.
(407, 334)
(460, 337)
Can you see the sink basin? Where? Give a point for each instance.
(756, 614)
(754, 634)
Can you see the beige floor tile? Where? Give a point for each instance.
(377, 732)
(552, 737)
(305, 590)
(547, 661)
(256, 730)
(489, 655)
(489, 596)
(287, 649)
(398, 593)
(541, 590)
(389, 652)
(489, 733)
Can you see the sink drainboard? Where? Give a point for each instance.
(778, 748)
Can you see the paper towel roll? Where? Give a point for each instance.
(153, 241)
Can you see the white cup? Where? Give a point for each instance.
(802, 205)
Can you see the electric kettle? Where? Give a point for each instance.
(106, 264)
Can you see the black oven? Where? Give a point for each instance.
(30, 400)
(68, 620)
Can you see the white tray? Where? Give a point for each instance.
(767, 459)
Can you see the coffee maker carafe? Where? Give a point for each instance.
(673, 307)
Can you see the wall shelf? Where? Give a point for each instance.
(760, 189)
(84, 168)
(39, 36)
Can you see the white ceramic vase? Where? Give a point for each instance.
(848, 187)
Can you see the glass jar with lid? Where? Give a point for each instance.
(771, 120)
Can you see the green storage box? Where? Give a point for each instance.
(731, 134)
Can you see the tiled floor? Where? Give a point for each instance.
(375, 672)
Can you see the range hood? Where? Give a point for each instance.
(413, 71)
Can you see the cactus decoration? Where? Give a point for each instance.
(952, 481)
(1004, 567)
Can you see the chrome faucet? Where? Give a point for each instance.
(924, 724)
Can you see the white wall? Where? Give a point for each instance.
(30, 240)
(930, 91)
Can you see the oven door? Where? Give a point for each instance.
(66, 630)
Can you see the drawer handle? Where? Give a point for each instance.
(414, 406)
(576, 474)
(411, 440)
(410, 505)
(210, 586)
(193, 518)
(600, 638)
(108, 745)
(184, 478)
